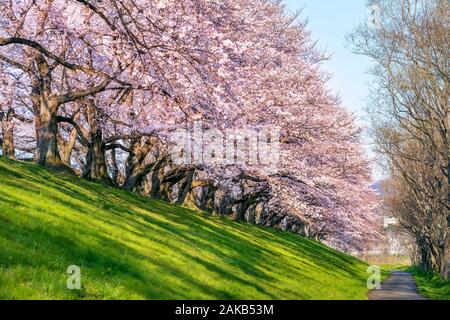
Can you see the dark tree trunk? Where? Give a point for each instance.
(8, 135)
(200, 195)
(114, 168)
(137, 169)
(66, 147)
(157, 175)
(134, 177)
(47, 153)
(161, 189)
(425, 257)
(444, 260)
(178, 175)
(96, 168)
(185, 187)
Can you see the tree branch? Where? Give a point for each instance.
(75, 95)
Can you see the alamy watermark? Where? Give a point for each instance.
(374, 280)
(74, 280)
(247, 147)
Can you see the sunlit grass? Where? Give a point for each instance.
(131, 247)
(431, 285)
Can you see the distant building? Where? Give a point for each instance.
(395, 243)
(390, 221)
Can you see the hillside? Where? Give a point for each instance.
(131, 247)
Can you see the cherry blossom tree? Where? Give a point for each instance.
(110, 83)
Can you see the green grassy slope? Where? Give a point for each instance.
(131, 247)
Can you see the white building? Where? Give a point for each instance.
(390, 221)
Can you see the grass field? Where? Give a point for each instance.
(430, 285)
(131, 247)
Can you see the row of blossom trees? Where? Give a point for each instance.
(100, 87)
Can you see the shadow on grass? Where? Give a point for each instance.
(224, 249)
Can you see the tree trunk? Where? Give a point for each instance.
(444, 263)
(185, 187)
(96, 168)
(157, 175)
(66, 148)
(425, 258)
(47, 153)
(177, 177)
(8, 135)
(136, 167)
(46, 110)
(206, 200)
(115, 172)
(134, 176)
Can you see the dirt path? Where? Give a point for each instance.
(399, 286)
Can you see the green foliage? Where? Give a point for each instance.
(131, 247)
(430, 285)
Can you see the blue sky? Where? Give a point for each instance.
(329, 21)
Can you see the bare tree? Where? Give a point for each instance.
(409, 113)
